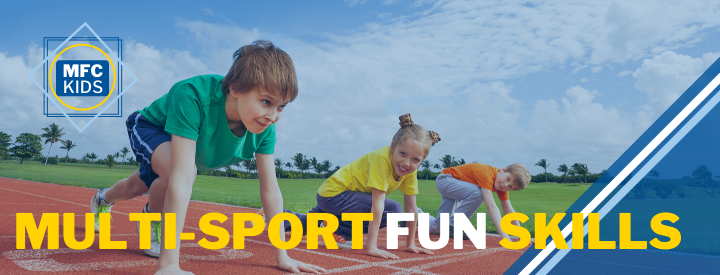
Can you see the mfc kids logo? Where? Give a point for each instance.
(82, 77)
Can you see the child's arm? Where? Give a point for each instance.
(507, 209)
(177, 197)
(272, 202)
(493, 211)
(378, 207)
(411, 207)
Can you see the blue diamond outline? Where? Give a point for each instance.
(84, 25)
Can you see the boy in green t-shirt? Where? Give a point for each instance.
(204, 123)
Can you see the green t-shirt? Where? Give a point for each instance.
(195, 109)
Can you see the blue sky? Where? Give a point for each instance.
(502, 82)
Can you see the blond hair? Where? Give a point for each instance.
(263, 65)
(520, 174)
(408, 129)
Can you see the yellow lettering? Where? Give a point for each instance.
(240, 231)
(49, 222)
(105, 240)
(213, 230)
(594, 241)
(357, 220)
(626, 241)
(518, 231)
(145, 220)
(295, 234)
(69, 231)
(664, 230)
(542, 231)
(314, 232)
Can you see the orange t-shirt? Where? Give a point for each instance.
(482, 175)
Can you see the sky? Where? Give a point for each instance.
(501, 82)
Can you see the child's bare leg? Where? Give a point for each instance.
(126, 189)
(157, 194)
(177, 198)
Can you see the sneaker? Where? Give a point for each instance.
(155, 235)
(97, 206)
(452, 234)
(341, 241)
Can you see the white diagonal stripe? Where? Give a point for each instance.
(629, 168)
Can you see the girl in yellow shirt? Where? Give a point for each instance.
(362, 186)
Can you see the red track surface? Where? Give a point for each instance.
(20, 196)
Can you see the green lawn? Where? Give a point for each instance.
(298, 195)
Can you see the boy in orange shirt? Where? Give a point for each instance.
(465, 187)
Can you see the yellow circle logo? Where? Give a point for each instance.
(53, 86)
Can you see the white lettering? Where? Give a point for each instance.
(82, 87)
(69, 70)
(67, 86)
(84, 69)
(99, 89)
(96, 74)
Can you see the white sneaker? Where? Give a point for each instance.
(155, 234)
(97, 207)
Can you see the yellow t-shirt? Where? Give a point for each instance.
(373, 170)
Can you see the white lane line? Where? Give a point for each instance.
(402, 270)
(444, 262)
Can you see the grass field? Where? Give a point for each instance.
(298, 195)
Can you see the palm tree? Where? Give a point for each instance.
(437, 166)
(253, 165)
(572, 173)
(110, 160)
(117, 156)
(86, 157)
(426, 164)
(299, 159)
(581, 170)
(543, 163)
(315, 165)
(124, 152)
(247, 165)
(52, 134)
(448, 161)
(326, 165)
(288, 165)
(563, 169)
(306, 164)
(93, 156)
(278, 167)
(67, 145)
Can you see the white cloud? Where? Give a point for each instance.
(624, 73)
(452, 67)
(577, 129)
(667, 75)
(156, 70)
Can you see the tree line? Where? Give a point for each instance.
(700, 180)
(28, 146)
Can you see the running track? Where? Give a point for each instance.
(18, 196)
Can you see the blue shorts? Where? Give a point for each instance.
(145, 137)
